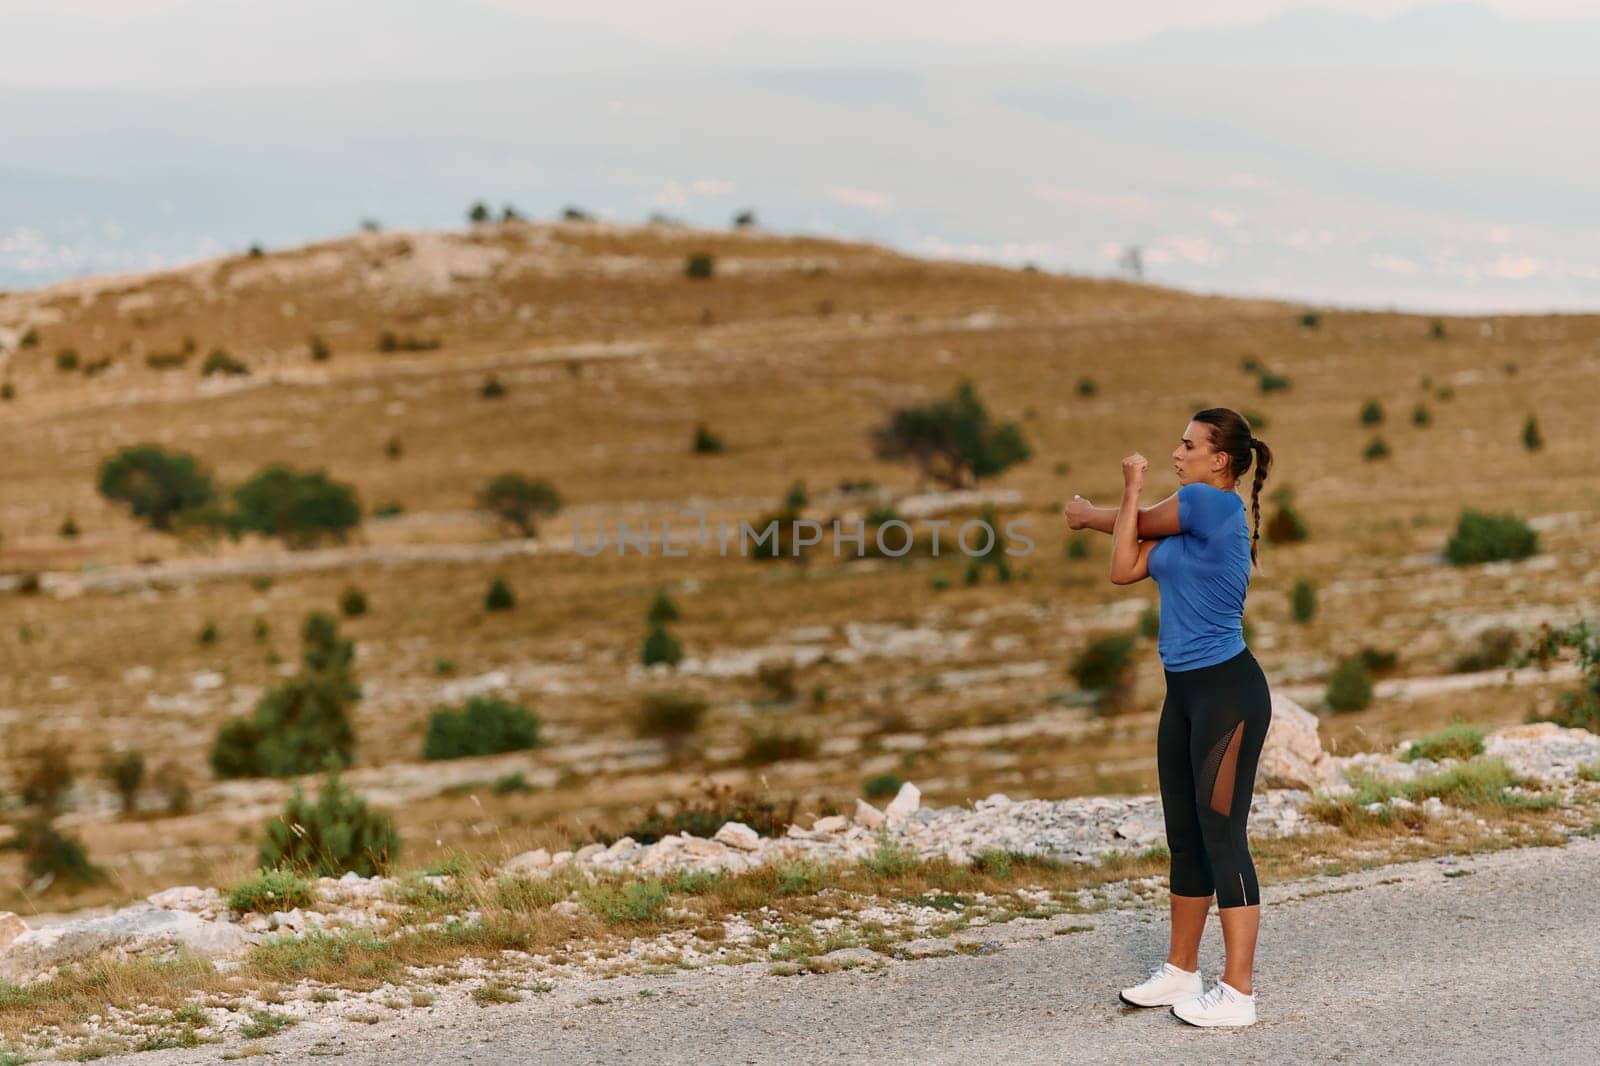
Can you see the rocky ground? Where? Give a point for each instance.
(1084, 831)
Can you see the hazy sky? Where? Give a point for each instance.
(700, 23)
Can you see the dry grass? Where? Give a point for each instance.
(790, 354)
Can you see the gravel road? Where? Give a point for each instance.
(1402, 964)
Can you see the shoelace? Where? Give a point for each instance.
(1211, 998)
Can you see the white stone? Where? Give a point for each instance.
(529, 862)
(832, 824)
(997, 801)
(1292, 756)
(587, 852)
(11, 927)
(868, 816)
(140, 929)
(905, 802)
(738, 835)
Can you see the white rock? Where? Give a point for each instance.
(1292, 756)
(11, 927)
(622, 845)
(905, 802)
(140, 929)
(831, 824)
(799, 833)
(587, 852)
(567, 908)
(701, 848)
(529, 862)
(738, 835)
(868, 816)
(997, 801)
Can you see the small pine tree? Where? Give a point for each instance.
(660, 647)
(499, 597)
(699, 266)
(1371, 413)
(483, 726)
(1421, 416)
(208, 633)
(795, 499)
(1436, 329)
(662, 609)
(1531, 439)
(706, 442)
(492, 388)
(478, 213)
(1349, 686)
(1078, 547)
(1087, 387)
(319, 349)
(352, 602)
(125, 774)
(336, 835)
(1377, 448)
(1310, 320)
(1303, 601)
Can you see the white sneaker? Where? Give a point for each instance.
(1166, 985)
(1223, 1005)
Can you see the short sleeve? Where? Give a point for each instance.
(1202, 509)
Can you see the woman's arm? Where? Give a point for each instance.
(1157, 520)
(1130, 560)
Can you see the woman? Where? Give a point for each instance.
(1199, 548)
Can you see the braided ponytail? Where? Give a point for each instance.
(1263, 464)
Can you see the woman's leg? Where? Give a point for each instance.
(1231, 726)
(1190, 873)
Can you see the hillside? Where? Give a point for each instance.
(609, 355)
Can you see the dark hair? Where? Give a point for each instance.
(1231, 435)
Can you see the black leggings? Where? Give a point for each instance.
(1213, 723)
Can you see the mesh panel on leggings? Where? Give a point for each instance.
(1217, 774)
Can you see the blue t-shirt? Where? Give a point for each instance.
(1203, 574)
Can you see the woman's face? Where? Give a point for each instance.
(1194, 459)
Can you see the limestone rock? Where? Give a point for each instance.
(136, 930)
(738, 835)
(529, 863)
(905, 802)
(868, 816)
(832, 824)
(997, 801)
(11, 927)
(1292, 756)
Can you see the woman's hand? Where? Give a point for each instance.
(1077, 512)
(1133, 468)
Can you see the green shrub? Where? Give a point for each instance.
(890, 858)
(1078, 546)
(390, 342)
(67, 360)
(1349, 685)
(266, 891)
(660, 647)
(320, 351)
(1578, 708)
(352, 602)
(699, 265)
(166, 360)
(47, 776)
(336, 835)
(1272, 382)
(994, 862)
(125, 773)
(953, 441)
(157, 485)
(1371, 413)
(52, 857)
(492, 388)
(1376, 448)
(631, 903)
(1484, 538)
(220, 362)
(69, 528)
(778, 678)
(1455, 741)
(1436, 329)
(499, 597)
(394, 448)
(1420, 416)
(478, 213)
(1103, 662)
(1087, 387)
(483, 726)
(1531, 439)
(301, 507)
(520, 502)
(30, 339)
(763, 747)
(881, 786)
(706, 442)
(1303, 601)
(662, 609)
(1378, 660)
(208, 633)
(1445, 394)
(1310, 320)
(303, 725)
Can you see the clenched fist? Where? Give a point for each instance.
(1077, 512)
(1133, 468)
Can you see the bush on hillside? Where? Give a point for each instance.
(704, 814)
(1303, 601)
(1105, 666)
(1493, 647)
(125, 773)
(484, 725)
(699, 265)
(499, 597)
(705, 441)
(1485, 538)
(672, 717)
(1349, 685)
(1455, 741)
(220, 362)
(660, 646)
(337, 834)
(157, 485)
(952, 441)
(303, 725)
(301, 507)
(52, 857)
(520, 502)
